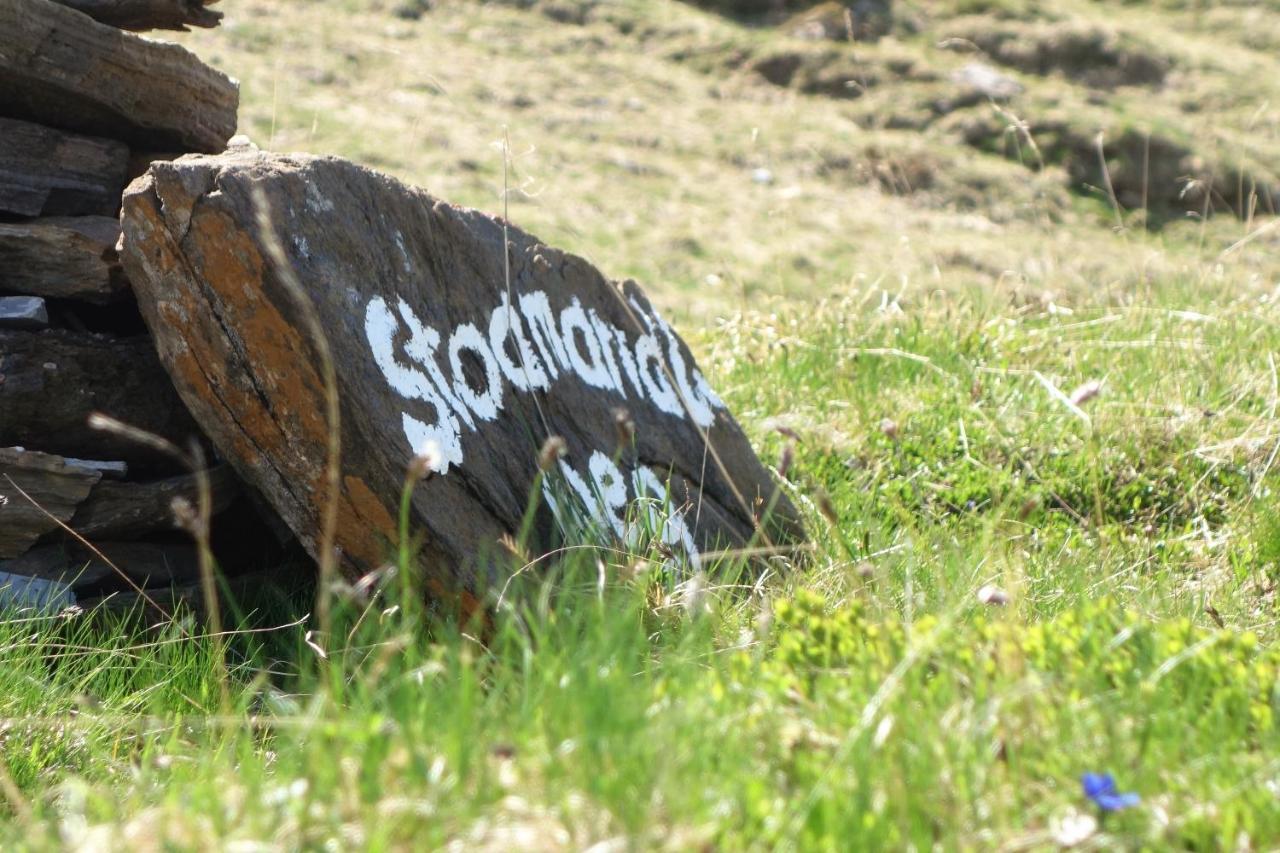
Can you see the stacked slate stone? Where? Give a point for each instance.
(85, 106)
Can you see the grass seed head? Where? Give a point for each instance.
(426, 462)
(826, 506)
(625, 427)
(788, 456)
(553, 449)
(185, 515)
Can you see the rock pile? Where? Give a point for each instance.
(319, 327)
(84, 107)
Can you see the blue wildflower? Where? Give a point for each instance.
(1101, 788)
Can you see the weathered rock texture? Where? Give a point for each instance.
(83, 108)
(61, 68)
(432, 347)
(53, 488)
(51, 381)
(49, 172)
(131, 510)
(71, 257)
(89, 570)
(23, 312)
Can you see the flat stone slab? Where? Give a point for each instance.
(23, 312)
(49, 172)
(37, 490)
(51, 381)
(60, 67)
(126, 510)
(443, 343)
(83, 571)
(22, 594)
(71, 257)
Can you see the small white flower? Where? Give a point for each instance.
(1074, 828)
(694, 594)
(993, 595)
(1085, 392)
(882, 731)
(282, 794)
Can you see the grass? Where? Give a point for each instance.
(918, 351)
(863, 696)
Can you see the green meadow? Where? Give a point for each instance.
(1026, 401)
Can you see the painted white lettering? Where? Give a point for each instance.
(542, 325)
(628, 359)
(580, 488)
(601, 501)
(602, 329)
(528, 348)
(675, 532)
(421, 347)
(380, 329)
(698, 399)
(484, 403)
(611, 491)
(653, 374)
(653, 371)
(697, 407)
(575, 326)
(704, 388)
(504, 325)
(444, 434)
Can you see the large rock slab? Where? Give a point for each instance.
(434, 345)
(71, 257)
(51, 381)
(60, 67)
(48, 172)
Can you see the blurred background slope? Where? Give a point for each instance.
(750, 152)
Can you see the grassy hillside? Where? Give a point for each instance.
(648, 137)
(1028, 405)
